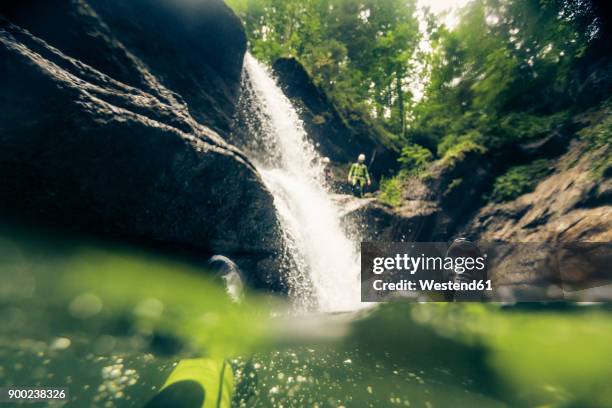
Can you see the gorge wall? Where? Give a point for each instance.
(112, 120)
(338, 134)
(571, 204)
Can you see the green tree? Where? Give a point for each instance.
(510, 71)
(358, 51)
(505, 73)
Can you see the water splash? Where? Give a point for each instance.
(293, 172)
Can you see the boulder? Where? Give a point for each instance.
(436, 203)
(121, 154)
(373, 220)
(182, 52)
(567, 208)
(229, 275)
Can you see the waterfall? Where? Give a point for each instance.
(292, 170)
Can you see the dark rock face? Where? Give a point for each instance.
(376, 221)
(194, 49)
(341, 136)
(453, 188)
(95, 140)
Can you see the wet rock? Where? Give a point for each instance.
(562, 208)
(230, 275)
(567, 207)
(120, 153)
(373, 220)
(182, 52)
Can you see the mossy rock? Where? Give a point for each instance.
(519, 180)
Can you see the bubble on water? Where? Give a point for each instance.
(60, 343)
(116, 378)
(85, 306)
(111, 372)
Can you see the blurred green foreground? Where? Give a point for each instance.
(112, 323)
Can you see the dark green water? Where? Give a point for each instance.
(111, 323)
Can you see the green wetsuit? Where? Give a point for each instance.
(359, 176)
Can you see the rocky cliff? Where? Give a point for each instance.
(338, 134)
(187, 52)
(111, 120)
(571, 204)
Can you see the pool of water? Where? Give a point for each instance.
(113, 323)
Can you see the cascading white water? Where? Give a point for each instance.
(293, 172)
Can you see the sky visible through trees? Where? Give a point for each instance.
(442, 74)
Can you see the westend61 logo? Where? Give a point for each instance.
(467, 271)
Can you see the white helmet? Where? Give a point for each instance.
(326, 160)
(361, 158)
